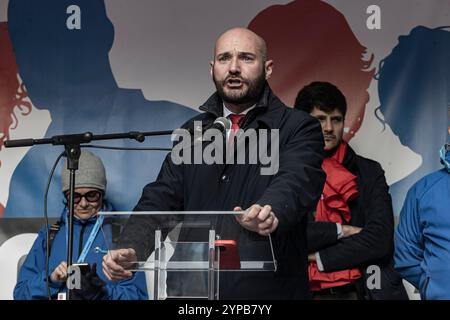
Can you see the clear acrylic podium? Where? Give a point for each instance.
(185, 254)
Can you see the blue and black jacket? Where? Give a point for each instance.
(31, 282)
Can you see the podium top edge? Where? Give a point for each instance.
(127, 213)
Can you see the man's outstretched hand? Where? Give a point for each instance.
(116, 264)
(261, 220)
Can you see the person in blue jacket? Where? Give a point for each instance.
(90, 243)
(422, 244)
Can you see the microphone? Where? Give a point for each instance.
(222, 124)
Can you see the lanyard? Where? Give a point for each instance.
(90, 240)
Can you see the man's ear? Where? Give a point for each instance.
(211, 64)
(268, 66)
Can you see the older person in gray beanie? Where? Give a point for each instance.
(90, 174)
(90, 185)
(91, 240)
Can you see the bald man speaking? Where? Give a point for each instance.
(274, 204)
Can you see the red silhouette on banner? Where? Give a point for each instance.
(310, 40)
(12, 92)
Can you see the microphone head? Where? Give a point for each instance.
(222, 124)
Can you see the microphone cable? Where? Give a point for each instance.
(124, 148)
(47, 231)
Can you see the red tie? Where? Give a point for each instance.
(235, 120)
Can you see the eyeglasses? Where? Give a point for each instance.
(91, 196)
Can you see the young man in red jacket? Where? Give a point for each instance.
(352, 227)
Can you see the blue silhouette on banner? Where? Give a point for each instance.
(414, 91)
(67, 71)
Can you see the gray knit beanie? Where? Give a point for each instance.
(90, 173)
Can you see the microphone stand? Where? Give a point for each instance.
(71, 143)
